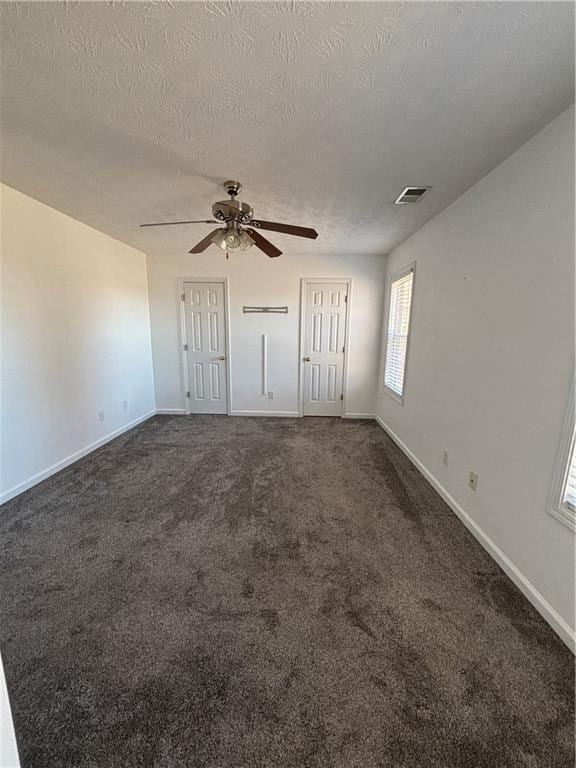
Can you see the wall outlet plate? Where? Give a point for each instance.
(101, 415)
(473, 480)
(445, 457)
(125, 404)
(270, 395)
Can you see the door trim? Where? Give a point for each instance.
(183, 340)
(304, 283)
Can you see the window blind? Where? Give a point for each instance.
(398, 328)
(570, 488)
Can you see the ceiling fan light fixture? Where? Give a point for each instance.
(232, 240)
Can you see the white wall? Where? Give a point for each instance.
(75, 339)
(491, 357)
(8, 748)
(255, 279)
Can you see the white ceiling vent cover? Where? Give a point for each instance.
(411, 195)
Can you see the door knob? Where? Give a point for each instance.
(306, 359)
(222, 357)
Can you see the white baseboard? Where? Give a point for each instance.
(283, 414)
(550, 614)
(39, 476)
(287, 414)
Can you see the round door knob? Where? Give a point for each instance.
(222, 357)
(306, 359)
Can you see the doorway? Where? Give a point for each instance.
(323, 346)
(205, 346)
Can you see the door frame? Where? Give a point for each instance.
(183, 338)
(305, 282)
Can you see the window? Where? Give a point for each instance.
(570, 490)
(562, 503)
(401, 290)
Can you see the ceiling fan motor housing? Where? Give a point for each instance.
(232, 210)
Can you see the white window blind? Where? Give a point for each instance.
(398, 329)
(570, 487)
(562, 496)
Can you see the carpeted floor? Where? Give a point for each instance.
(213, 592)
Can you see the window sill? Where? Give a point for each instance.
(394, 395)
(564, 515)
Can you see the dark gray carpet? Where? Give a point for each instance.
(236, 593)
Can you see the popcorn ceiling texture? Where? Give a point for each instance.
(121, 113)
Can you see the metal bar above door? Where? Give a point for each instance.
(265, 310)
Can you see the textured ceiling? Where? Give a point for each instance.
(122, 113)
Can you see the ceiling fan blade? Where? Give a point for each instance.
(171, 223)
(264, 245)
(203, 244)
(288, 229)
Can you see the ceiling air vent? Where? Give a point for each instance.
(411, 195)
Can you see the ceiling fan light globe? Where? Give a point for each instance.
(238, 241)
(247, 241)
(219, 239)
(233, 241)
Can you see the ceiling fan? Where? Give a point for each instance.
(239, 230)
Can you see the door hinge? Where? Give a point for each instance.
(343, 349)
(341, 397)
(346, 299)
(185, 347)
(183, 296)
(188, 393)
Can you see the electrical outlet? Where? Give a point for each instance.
(445, 457)
(473, 481)
(270, 395)
(101, 415)
(125, 404)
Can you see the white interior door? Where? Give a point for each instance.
(206, 347)
(323, 354)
